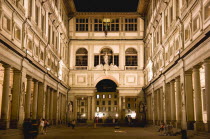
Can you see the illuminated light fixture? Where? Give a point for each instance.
(116, 115)
(106, 23)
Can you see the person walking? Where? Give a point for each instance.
(41, 126)
(73, 123)
(46, 124)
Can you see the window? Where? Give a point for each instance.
(37, 14)
(97, 109)
(43, 24)
(166, 20)
(36, 50)
(6, 23)
(82, 57)
(187, 33)
(82, 104)
(129, 105)
(97, 96)
(97, 102)
(30, 8)
(131, 24)
(103, 108)
(131, 57)
(111, 58)
(17, 33)
(171, 14)
(109, 108)
(207, 11)
(82, 110)
(81, 24)
(42, 55)
(196, 24)
(115, 96)
(177, 43)
(109, 102)
(106, 24)
(29, 46)
(110, 96)
(115, 108)
(115, 102)
(103, 103)
(103, 96)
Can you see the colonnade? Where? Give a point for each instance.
(179, 100)
(38, 100)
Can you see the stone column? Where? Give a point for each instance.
(40, 101)
(88, 116)
(15, 99)
(199, 125)
(75, 107)
(158, 106)
(123, 108)
(161, 105)
(93, 107)
(178, 103)
(166, 103)
(207, 89)
(35, 96)
(155, 107)
(28, 98)
(47, 110)
(5, 98)
(172, 99)
(189, 100)
(120, 107)
(55, 107)
(51, 105)
(152, 106)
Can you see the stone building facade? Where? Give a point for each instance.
(52, 58)
(177, 63)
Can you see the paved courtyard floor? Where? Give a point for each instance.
(98, 133)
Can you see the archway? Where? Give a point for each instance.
(106, 101)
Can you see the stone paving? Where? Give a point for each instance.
(98, 133)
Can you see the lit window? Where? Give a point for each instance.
(97, 96)
(104, 96)
(110, 96)
(97, 109)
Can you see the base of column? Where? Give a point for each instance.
(13, 124)
(199, 126)
(3, 124)
(208, 126)
(178, 124)
(190, 125)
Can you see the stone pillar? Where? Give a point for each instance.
(178, 103)
(189, 100)
(166, 101)
(35, 96)
(123, 108)
(89, 102)
(158, 106)
(152, 106)
(55, 107)
(93, 107)
(47, 110)
(155, 107)
(75, 108)
(16, 99)
(172, 99)
(161, 105)
(28, 99)
(120, 107)
(40, 101)
(5, 98)
(51, 105)
(207, 89)
(199, 125)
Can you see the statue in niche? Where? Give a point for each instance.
(106, 60)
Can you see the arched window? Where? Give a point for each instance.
(82, 57)
(112, 58)
(131, 57)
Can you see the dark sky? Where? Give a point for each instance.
(106, 5)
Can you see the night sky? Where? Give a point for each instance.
(106, 5)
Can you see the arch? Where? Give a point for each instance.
(81, 51)
(106, 77)
(106, 47)
(81, 57)
(130, 50)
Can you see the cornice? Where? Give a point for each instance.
(106, 13)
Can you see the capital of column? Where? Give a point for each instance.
(207, 61)
(188, 73)
(6, 66)
(29, 77)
